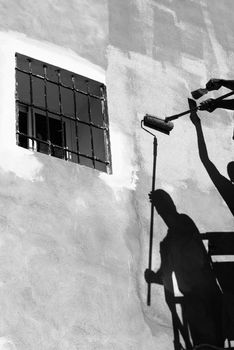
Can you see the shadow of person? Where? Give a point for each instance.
(183, 253)
(223, 184)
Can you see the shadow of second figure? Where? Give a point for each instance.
(183, 252)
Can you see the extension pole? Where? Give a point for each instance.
(176, 116)
(155, 144)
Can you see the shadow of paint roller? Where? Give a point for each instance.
(199, 93)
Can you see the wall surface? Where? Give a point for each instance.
(73, 241)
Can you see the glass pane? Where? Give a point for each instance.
(84, 139)
(82, 110)
(22, 62)
(23, 127)
(86, 161)
(53, 97)
(100, 166)
(96, 111)
(71, 135)
(37, 68)
(80, 83)
(38, 92)
(98, 143)
(52, 73)
(67, 100)
(95, 88)
(23, 86)
(66, 78)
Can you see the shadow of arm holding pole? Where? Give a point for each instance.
(223, 185)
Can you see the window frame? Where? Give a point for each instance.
(69, 154)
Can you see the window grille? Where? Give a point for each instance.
(61, 114)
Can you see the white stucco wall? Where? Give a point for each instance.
(73, 241)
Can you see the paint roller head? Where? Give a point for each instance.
(158, 124)
(198, 93)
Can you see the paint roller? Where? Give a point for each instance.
(199, 93)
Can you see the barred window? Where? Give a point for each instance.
(61, 114)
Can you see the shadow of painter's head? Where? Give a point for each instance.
(230, 171)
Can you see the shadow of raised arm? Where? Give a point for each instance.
(223, 185)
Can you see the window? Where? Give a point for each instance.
(61, 114)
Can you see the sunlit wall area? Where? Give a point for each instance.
(74, 232)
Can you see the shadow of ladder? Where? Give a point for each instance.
(219, 244)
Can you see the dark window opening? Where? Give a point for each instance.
(62, 114)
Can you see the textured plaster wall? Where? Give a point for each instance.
(73, 241)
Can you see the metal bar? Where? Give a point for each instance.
(32, 127)
(62, 115)
(60, 147)
(17, 107)
(46, 108)
(76, 122)
(90, 120)
(106, 129)
(55, 83)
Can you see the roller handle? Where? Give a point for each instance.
(175, 116)
(152, 219)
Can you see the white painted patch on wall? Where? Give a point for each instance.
(13, 158)
(28, 169)
(220, 54)
(194, 66)
(6, 344)
(124, 172)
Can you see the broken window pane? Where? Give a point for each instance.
(41, 133)
(23, 127)
(57, 137)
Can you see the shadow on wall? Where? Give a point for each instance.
(207, 302)
(183, 252)
(223, 185)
